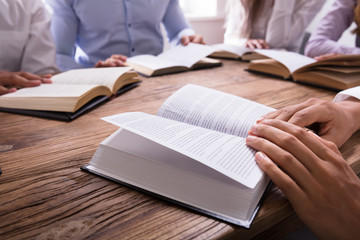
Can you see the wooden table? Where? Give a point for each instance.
(45, 195)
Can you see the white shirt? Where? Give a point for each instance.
(281, 24)
(26, 43)
(351, 92)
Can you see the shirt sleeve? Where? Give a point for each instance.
(331, 27)
(39, 52)
(64, 28)
(175, 23)
(289, 20)
(351, 92)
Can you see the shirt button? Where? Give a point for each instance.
(129, 24)
(133, 49)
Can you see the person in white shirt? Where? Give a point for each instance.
(27, 50)
(269, 23)
(320, 185)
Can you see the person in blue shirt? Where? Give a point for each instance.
(88, 32)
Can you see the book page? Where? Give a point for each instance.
(47, 97)
(232, 48)
(187, 55)
(50, 91)
(291, 60)
(152, 62)
(225, 153)
(213, 109)
(95, 76)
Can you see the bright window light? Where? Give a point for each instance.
(199, 8)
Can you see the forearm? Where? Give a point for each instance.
(64, 28)
(324, 39)
(66, 62)
(318, 47)
(175, 23)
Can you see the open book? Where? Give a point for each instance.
(178, 59)
(235, 52)
(339, 72)
(192, 153)
(71, 93)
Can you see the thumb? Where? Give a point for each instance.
(185, 40)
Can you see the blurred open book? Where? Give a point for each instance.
(71, 93)
(339, 72)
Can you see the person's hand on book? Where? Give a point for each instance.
(326, 56)
(335, 122)
(257, 44)
(185, 40)
(10, 81)
(322, 188)
(116, 60)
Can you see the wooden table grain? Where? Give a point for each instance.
(45, 195)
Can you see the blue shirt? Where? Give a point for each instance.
(86, 31)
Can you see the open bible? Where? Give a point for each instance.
(192, 153)
(229, 51)
(71, 93)
(339, 72)
(177, 59)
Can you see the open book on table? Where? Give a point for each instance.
(224, 50)
(339, 72)
(71, 93)
(192, 153)
(177, 59)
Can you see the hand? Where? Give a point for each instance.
(326, 56)
(10, 81)
(185, 40)
(336, 122)
(116, 60)
(322, 188)
(257, 43)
